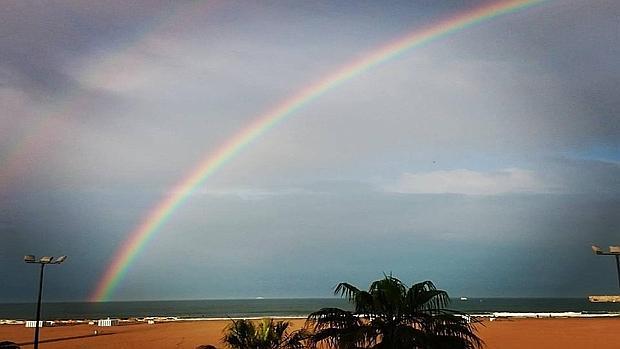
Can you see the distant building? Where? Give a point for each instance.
(32, 323)
(107, 322)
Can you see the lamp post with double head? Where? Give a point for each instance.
(42, 261)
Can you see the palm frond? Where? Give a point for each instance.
(264, 334)
(458, 329)
(345, 289)
(332, 318)
(296, 339)
(424, 299)
(425, 296)
(240, 334)
(358, 336)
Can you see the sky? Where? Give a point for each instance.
(487, 161)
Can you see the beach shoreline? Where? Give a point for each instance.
(160, 318)
(506, 332)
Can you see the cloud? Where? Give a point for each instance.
(468, 182)
(520, 104)
(175, 93)
(39, 44)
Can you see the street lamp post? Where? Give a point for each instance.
(613, 251)
(42, 261)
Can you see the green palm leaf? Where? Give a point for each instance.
(266, 334)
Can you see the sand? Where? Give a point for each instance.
(504, 334)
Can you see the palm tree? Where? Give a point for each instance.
(266, 334)
(391, 316)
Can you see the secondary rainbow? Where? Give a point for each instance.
(151, 223)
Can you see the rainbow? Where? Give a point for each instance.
(145, 231)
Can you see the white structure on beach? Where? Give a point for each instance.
(107, 322)
(33, 323)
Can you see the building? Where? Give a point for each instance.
(107, 322)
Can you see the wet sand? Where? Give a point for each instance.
(504, 334)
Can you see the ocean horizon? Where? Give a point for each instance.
(278, 307)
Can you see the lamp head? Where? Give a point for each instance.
(29, 258)
(60, 259)
(596, 249)
(46, 259)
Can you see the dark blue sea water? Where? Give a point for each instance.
(277, 307)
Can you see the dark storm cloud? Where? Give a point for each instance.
(576, 45)
(40, 40)
(585, 176)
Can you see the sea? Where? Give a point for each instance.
(296, 307)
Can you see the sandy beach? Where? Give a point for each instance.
(503, 333)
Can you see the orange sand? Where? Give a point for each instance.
(504, 334)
